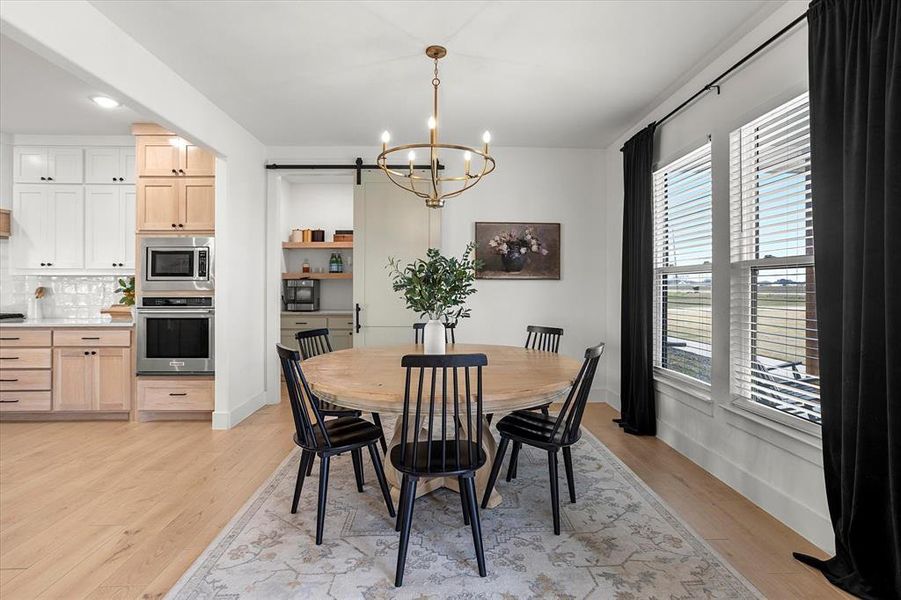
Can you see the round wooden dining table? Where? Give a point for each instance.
(370, 379)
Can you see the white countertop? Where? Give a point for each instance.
(60, 323)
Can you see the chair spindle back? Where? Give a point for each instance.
(570, 417)
(302, 404)
(313, 342)
(543, 338)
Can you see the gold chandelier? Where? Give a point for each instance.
(431, 185)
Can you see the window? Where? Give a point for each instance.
(682, 267)
(774, 354)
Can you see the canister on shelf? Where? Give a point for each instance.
(308, 235)
(296, 236)
(318, 235)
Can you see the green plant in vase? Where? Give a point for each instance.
(127, 289)
(436, 287)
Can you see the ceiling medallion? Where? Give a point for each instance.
(432, 184)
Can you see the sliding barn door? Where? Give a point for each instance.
(388, 221)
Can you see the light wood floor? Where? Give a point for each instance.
(120, 510)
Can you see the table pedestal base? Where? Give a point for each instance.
(427, 486)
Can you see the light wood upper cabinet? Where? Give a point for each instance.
(73, 379)
(157, 157)
(109, 165)
(109, 227)
(169, 204)
(158, 204)
(198, 204)
(196, 162)
(48, 164)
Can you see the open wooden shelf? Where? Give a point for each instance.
(320, 245)
(300, 275)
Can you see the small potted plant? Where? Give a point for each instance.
(437, 288)
(122, 310)
(514, 248)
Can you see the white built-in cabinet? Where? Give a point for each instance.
(109, 227)
(48, 232)
(109, 165)
(37, 164)
(62, 225)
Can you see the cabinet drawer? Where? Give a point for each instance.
(91, 337)
(24, 401)
(175, 394)
(340, 322)
(301, 321)
(25, 358)
(16, 380)
(14, 336)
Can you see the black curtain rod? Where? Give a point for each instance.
(727, 72)
(358, 166)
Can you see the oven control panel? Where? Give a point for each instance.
(177, 302)
(202, 267)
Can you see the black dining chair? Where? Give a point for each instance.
(550, 433)
(316, 436)
(419, 333)
(314, 342)
(440, 390)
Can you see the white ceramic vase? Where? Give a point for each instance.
(433, 337)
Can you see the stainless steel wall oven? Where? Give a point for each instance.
(176, 335)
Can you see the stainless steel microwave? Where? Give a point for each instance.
(177, 264)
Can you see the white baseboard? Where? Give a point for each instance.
(804, 520)
(227, 419)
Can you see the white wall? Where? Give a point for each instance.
(530, 184)
(777, 467)
(99, 52)
(6, 201)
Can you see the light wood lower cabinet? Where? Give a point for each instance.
(340, 328)
(176, 393)
(92, 379)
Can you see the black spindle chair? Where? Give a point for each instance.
(312, 343)
(315, 436)
(442, 399)
(419, 333)
(543, 338)
(550, 433)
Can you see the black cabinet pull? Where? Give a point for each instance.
(121, 179)
(9, 401)
(93, 352)
(357, 315)
(300, 322)
(49, 264)
(50, 179)
(86, 353)
(114, 264)
(9, 358)
(114, 178)
(174, 171)
(9, 380)
(181, 394)
(181, 171)
(43, 179)
(181, 224)
(9, 339)
(90, 338)
(173, 224)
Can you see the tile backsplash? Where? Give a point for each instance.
(66, 297)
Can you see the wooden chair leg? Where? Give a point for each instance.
(380, 475)
(570, 481)
(378, 423)
(495, 468)
(462, 485)
(409, 495)
(476, 524)
(555, 489)
(514, 457)
(358, 468)
(323, 492)
(306, 457)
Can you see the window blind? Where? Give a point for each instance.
(682, 265)
(774, 350)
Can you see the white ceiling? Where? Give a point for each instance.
(567, 74)
(39, 97)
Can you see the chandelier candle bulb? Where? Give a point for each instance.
(435, 187)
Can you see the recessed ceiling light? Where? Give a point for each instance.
(105, 102)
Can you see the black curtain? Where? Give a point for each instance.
(637, 367)
(855, 120)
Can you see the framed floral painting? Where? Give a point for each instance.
(518, 250)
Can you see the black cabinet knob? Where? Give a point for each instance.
(181, 171)
(50, 179)
(49, 264)
(43, 264)
(93, 352)
(174, 171)
(121, 179)
(181, 224)
(43, 179)
(114, 178)
(173, 224)
(114, 264)
(86, 353)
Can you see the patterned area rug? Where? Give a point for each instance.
(618, 541)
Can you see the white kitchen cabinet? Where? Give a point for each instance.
(109, 165)
(48, 164)
(109, 227)
(49, 227)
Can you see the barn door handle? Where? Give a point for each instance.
(357, 318)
